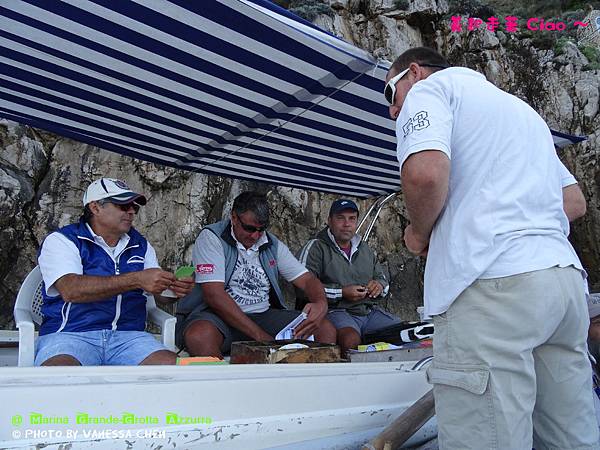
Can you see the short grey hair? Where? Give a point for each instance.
(256, 203)
(87, 214)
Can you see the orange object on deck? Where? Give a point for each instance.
(198, 360)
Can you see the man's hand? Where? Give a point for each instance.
(182, 287)
(354, 292)
(374, 289)
(262, 336)
(155, 280)
(315, 312)
(415, 244)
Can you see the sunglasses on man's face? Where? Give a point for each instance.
(127, 206)
(390, 88)
(251, 228)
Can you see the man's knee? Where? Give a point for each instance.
(348, 337)
(61, 360)
(202, 337)
(160, 357)
(326, 332)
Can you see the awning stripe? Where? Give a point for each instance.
(251, 106)
(236, 88)
(333, 171)
(30, 69)
(221, 169)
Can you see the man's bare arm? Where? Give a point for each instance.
(425, 177)
(574, 203)
(227, 309)
(316, 309)
(87, 288)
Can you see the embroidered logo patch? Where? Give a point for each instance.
(121, 184)
(272, 263)
(205, 268)
(136, 259)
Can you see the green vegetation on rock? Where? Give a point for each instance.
(309, 9)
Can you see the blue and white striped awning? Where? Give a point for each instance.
(236, 88)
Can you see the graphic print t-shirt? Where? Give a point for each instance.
(249, 285)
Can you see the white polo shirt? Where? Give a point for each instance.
(504, 211)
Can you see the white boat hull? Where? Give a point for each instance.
(248, 406)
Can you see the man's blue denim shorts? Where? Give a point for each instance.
(97, 348)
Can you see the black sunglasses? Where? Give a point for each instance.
(125, 207)
(251, 228)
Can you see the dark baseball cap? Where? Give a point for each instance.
(341, 205)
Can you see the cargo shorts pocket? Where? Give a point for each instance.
(472, 378)
(464, 406)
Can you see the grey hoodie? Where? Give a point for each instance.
(329, 263)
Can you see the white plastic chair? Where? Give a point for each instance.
(28, 310)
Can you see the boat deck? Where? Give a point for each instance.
(249, 406)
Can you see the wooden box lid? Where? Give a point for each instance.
(254, 352)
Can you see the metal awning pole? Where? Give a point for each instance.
(377, 206)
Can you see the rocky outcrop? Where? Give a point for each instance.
(43, 176)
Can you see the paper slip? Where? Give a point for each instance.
(288, 331)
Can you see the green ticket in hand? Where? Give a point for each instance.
(184, 272)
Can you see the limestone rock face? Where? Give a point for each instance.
(43, 176)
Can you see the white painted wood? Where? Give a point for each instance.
(251, 406)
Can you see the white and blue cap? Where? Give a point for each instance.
(110, 188)
(342, 204)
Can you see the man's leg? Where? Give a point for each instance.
(203, 333)
(348, 329)
(132, 348)
(69, 349)
(203, 338)
(483, 368)
(61, 360)
(564, 415)
(348, 338)
(161, 357)
(326, 333)
(378, 319)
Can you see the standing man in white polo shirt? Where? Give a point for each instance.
(96, 273)
(483, 190)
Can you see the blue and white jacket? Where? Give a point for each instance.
(126, 312)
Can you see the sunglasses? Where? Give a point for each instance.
(127, 206)
(251, 228)
(124, 207)
(390, 88)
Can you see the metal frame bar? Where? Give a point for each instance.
(377, 206)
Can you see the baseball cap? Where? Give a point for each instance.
(341, 205)
(116, 190)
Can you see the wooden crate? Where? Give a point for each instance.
(253, 352)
